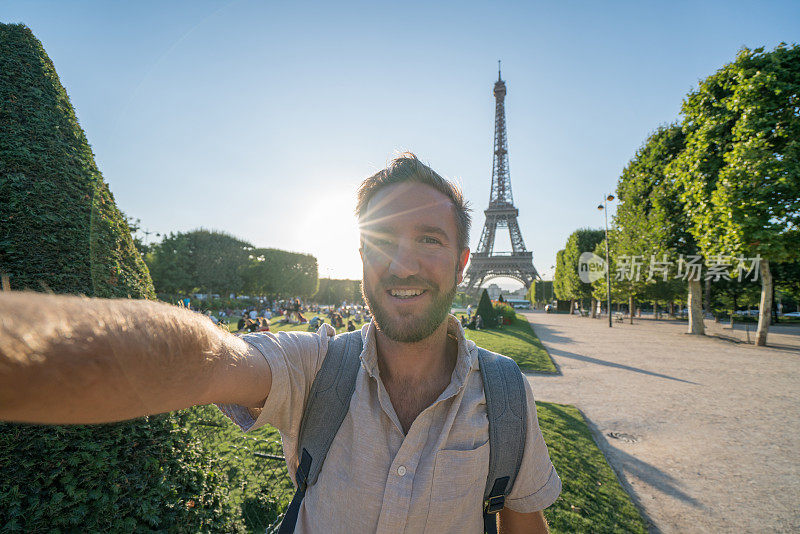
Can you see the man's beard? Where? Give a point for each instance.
(414, 328)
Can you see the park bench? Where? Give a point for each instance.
(618, 317)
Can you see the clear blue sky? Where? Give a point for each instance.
(261, 118)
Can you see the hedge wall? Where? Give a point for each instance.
(61, 231)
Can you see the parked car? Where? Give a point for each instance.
(791, 314)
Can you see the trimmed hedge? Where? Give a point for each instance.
(486, 310)
(143, 475)
(61, 231)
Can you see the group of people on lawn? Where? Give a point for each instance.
(292, 313)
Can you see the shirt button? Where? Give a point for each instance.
(401, 470)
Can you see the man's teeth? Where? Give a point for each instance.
(406, 293)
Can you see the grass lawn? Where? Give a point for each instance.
(592, 499)
(251, 465)
(517, 341)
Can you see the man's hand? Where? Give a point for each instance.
(67, 359)
(512, 522)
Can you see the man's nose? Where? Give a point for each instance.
(404, 262)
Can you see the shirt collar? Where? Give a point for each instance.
(465, 360)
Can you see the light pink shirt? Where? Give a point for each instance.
(378, 479)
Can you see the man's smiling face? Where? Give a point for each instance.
(412, 264)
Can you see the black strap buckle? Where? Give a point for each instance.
(303, 470)
(494, 504)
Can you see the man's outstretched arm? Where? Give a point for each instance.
(66, 359)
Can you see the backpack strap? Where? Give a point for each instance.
(506, 408)
(327, 405)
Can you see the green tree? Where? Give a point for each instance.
(560, 278)
(580, 241)
(218, 260)
(741, 166)
(787, 279)
(334, 291)
(620, 288)
(171, 265)
(61, 230)
(200, 260)
(275, 272)
(653, 224)
(486, 310)
(541, 291)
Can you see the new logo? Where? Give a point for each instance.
(591, 267)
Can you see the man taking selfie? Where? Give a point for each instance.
(412, 450)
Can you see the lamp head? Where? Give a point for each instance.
(610, 198)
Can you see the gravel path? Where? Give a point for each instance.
(710, 427)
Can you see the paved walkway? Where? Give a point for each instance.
(710, 428)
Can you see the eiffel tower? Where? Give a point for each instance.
(485, 263)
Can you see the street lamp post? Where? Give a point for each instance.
(604, 207)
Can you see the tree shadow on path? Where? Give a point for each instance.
(549, 334)
(597, 361)
(626, 465)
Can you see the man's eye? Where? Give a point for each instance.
(431, 240)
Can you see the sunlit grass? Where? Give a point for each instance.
(592, 499)
(517, 341)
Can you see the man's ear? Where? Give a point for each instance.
(462, 262)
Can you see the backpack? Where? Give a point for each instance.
(329, 401)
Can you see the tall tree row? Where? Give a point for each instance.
(278, 273)
(713, 196)
(569, 285)
(653, 227)
(336, 291)
(740, 170)
(208, 261)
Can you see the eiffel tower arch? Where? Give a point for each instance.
(485, 263)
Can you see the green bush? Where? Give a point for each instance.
(61, 231)
(486, 311)
(506, 310)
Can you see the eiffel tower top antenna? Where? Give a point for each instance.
(499, 78)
